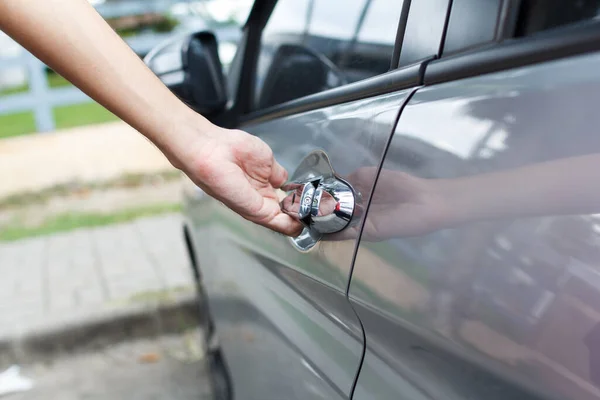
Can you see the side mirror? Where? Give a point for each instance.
(190, 67)
(297, 71)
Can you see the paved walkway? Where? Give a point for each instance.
(64, 278)
(116, 373)
(91, 153)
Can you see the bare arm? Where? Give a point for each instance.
(560, 187)
(73, 39)
(405, 205)
(70, 37)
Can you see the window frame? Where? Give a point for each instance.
(421, 16)
(507, 52)
(505, 20)
(393, 80)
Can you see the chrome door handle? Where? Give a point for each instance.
(323, 202)
(325, 205)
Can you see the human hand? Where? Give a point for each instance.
(402, 205)
(239, 170)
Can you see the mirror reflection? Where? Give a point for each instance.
(484, 228)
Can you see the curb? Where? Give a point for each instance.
(100, 331)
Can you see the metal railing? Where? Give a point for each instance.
(125, 8)
(40, 99)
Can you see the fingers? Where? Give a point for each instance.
(285, 224)
(278, 175)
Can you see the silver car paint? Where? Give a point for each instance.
(494, 309)
(284, 324)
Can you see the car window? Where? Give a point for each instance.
(541, 15)
(329, 20)
(471, 23)
(309, 46)
(424, 30)
(474, 22)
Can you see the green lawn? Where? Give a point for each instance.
(65, 117)
(16, 124)
(125, 181)
(69, 221)
(81, 114)
(14, 90)
(55, 80)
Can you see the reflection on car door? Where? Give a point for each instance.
(285, 326)
(492, 309)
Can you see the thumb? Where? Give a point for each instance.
(278, 175)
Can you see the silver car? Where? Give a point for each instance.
(444, 160)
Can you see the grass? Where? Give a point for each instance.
(124, 181)
(163, 25)
(65, 117)
(81, 114)
(14, 90)
(16, 124)
(70, 221)
(56, 81)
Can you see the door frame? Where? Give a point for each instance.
(243, 70)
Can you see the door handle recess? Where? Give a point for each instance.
(320, 200)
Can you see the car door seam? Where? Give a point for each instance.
(362, 224)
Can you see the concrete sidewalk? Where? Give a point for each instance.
(92, 153)
(69, 279)
(116, 373)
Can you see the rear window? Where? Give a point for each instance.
(541, 15)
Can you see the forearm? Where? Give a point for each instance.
(561, 187)
(70, 37)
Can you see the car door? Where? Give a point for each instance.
(477, 272)
(282, 319)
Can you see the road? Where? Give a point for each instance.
(169, 367)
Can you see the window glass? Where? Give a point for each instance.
(309, 46)
(424, 30)
(288, 22)
(381, 23)
(288, 17)
(472, 23)
(329, 20)
(540, 15)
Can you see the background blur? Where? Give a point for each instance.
(46, 101)
(96, 291)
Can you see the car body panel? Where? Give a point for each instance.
(491, 309)
(353, 135)
(285, 326)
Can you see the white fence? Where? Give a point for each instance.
(40, 98)
(124, 8)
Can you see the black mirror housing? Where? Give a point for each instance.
(190, 67)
